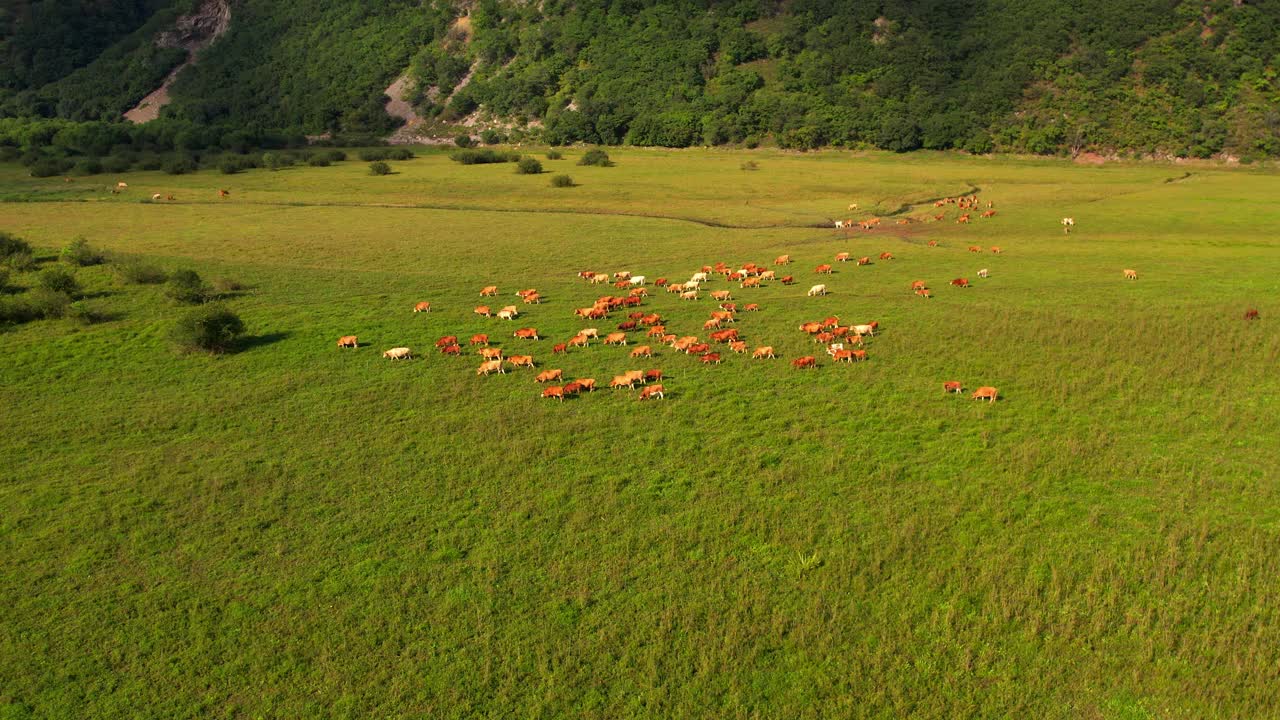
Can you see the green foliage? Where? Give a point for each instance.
(483, 156)
(277, 160)
(179, 165)
(188, 288)
(135, 271)
(88, 166)
(334, 155)
(11, 245)
(80, 313)
(21, 261)
(79, 252)
(210, 328)
(379, 168)
(318, 161)
(596, 157)
(554, 155)
(464, 141)
(561, 181)
(59, 280)
(528, 166)
(50, 167)
(48, 303)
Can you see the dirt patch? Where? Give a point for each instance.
(1089, 158)
(193, 33)
(397, 106)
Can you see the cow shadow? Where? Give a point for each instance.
(250, 342)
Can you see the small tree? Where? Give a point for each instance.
(47, 303)
(554, 154)
(596, 157)
(78, 252)
(211, 328)
(529, 166)
(10, 245)
(136, 272)
(59, 280)
(464, 141)
(379, 168)
(561, 181)
(187, 287)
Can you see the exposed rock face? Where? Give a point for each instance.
(192, 33)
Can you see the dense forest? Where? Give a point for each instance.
(1174, 77)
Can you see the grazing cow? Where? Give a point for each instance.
(559, 348)
(864, 261)
(578, 340)
(858, 355)
(787, 280)
(157, 197)
(422, 307)
(725, 336)
(638, 292)
(986, 393)
(587, 384)
(690, 295)
(675, 287)
(554, 392)
(817, 290)
(589, 333)
(399, 353)
(738, 346)
(653, 391)
(572, 388)
(840, 331)
(782, 260)
(351, 341)
(842, 257)
(642, 351)
(505, 314)
(830, 321)
(622, 381)
(170, 198)
(933, 243)
(750, 307)
(636, 280)
(924, 293)
(549, 375)
(533, 298)
(1249, 314)
(954, 386)
(491, 353)
(734, 276)
(1130, 274)
(960, 282)
(621, 284)
(823, 269)
(983, 273)
(697, 349)
(447, 340)
(660, 282)
(996, 250)
(527, 334)
(863, 330)
(637, 375)
(963, 219)
(813, 328)
(627, 326)
(1067, 224)
(652, 375)
(764, 351)
(521, 360)
(650, 320)
(599, 278)
(824, 337)
(886, 256)
(808, 361)
(975, 249)
(586, 274)
(480, 339)
(750, 282)
(711, 324)
(917, 284)
(622, 275)
(710, 358)
(488, 291)
(525, 293)
(491, 366)
(656, 331)
(454, 349)
(616, 338)
(483, 310)
(721, 295)
(699, 277)
(223, 193)
(841, 355)
(989, 213)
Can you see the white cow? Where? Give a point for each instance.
(839, 224)
(699, 277)
(507, 314)
(157, 196)
(862, 330)
(817, 290)
(833, 347)
(983, 273)
(400, 353)
(636, 280)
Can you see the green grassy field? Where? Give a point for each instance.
(297, 531)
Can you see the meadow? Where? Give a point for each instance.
(293, 530)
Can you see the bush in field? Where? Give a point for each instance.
(79, 313)
(464, 141)
(483, 157)
(21, 261)
(88, 166)
(528, 166)
(379, 168)
(137, 272)
(596, 157)
(117, 164)
(4, 279)
(318, 161)
(554, 155)
(59, 280)
(227, 285)
(180, 165)
(43, 302)
(188, 288)
(334, 155)
(79, 252)
(211, 328)
(11, 245)
(400, 153)
(561, 181)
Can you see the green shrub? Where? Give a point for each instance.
(276, 160)
(9, 153)
(554, 155)
(464, 141)
(150, 162)
(16, 310)
(211, 328)
(335, 156)
(4, 279)
(561, 181)
(47, 303)
(226, 285)
(59, 280)
(179, 165)
(596, 157)
(229, 166)
(88, 166)
(528, 166)
(79, 252)
(187, 287)
(49, 167)
(135, 272)
(751, 142)
(117, 164)
(400, 153)
(79, 313)
(483, 157)
(21, 261)
(750, 165)
(491, 137)
(11, 245)
(318, 161)
(375, 154)
(379, 168)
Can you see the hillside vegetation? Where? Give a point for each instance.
(1178, 77)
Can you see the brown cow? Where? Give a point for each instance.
(521, 360)
(697, 349)
(750, 307)
(711, 358)
(447, 340)
(559, 348)
(642, 351)
(660, 282)
(549, 375)
(842, 356)
(532, 298)
(975, 249)
(554, 392)
(578, 341)
(985, 393)
(621, 381)
(721, 295)
(933, 243)
(527, 334)
(812, 328)
(480, 339)
(616, 338)
(490, 290)
(864, 261)
(963, 219)
(782, 260)
(422, 307)
(996, 250)
(750, 282)
(711, 324)
(960, 282)
(724, 336)
(572, 388)
(651, 375)
(989, 213)
(808, 361)
(1249, 314)
(224, 193)
(765, 351)
(842, 257)
(823, 269)
(651, 392)
(918, 284)
(830, 321)
(953, 386)
(588, 384)
(1130, 274)
(490, 366)
(351, 341)
(924, 293)
(656, 331)
(787, 280)
(454, 349)
(483, 310)
(738, 346)
(627, 326)
(489, 353)
(886, 256)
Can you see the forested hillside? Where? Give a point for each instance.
(1178, 77)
